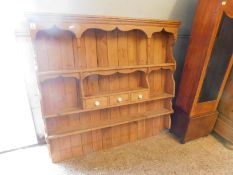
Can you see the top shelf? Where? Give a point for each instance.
(79, 23)
(83, 73)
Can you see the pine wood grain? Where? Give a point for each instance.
(85, 70)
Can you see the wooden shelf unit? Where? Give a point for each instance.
(103, 81)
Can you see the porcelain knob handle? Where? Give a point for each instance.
(140, 96)
(97, 103)
(119, 99)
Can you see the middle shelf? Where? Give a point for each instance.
(82, 73)
(79, 110)
(69, 95)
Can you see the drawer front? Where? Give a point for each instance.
(96, 102)
(119, 99)
(140, 95)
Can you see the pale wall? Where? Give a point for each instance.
(182, 10)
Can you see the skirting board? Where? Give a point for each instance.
(224, 128)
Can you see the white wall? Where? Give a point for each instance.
(182, 10)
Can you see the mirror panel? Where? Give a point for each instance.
(219, 60)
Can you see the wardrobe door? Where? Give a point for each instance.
(219, 61)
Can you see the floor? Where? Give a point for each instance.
(161, 154)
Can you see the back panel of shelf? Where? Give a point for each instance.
(81, 144)
(98, 84)
(57, 49)
(161, 81)
(60, 94)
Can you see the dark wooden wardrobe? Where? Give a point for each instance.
(207, 66)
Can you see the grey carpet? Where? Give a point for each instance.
(161, 154)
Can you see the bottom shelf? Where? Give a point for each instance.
(108, 123)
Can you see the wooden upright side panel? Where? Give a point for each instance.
(55, 52)
(132, 55)
(76, 145)
(80, 59)
(102, 48)
(123, 58)
(108, 133)
(97, 134)
(158, 82)
(116, 130)
(67, 51)
(132, 47)
(133, 127)
(124, 129)
(90, 47)
(158, 47)
(59, 94)
(141, 48)
(122, 132)
(122, 49)
(102, 55)
(141, 124)
(41, 51)
(102, 85)
(112, 48)
(71, 92)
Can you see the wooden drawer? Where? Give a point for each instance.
(119, 99)
(140, 95)
(96, 102)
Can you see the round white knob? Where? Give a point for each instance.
(32, 26)
(71, 27)
(224, 2)
(119, 99)
(97, 103)
(140, 96)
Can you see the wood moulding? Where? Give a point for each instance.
(224, 127)
(79, 23)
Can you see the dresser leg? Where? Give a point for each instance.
(188, 128)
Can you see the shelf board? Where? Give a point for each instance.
(115, 92)
(108, 123)
(76, 111)
(77, 72)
